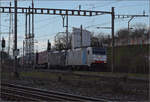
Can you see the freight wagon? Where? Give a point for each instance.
(42, 59)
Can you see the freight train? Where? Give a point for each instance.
(89, 58)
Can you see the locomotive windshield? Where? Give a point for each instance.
(99, 51)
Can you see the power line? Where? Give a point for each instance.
(45, 25)
(119, 18)
(127, 6)
(104, 6)
(38, 21)
(97, 24)
(107, 4)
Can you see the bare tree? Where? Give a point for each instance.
(60, 41)
(100, 39)
(123, 33)
(140, 30)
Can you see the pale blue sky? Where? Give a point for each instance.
(46, 26)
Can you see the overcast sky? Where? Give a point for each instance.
(46, 26)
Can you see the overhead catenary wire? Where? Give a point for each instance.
(94, 7)
(52, 18)
(106, 4)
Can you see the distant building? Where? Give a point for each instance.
(80, 40)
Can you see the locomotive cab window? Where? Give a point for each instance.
(99, 51)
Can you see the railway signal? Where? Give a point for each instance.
(3, 46)
(3, 43)
(48, 46)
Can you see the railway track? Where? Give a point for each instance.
(23, 93)
(13, 97)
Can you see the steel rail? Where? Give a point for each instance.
(60, 95)
(37, 95)
(8, 96)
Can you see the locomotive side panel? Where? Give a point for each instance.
(77, 57)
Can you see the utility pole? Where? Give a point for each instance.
(23, 54)
(113, 40)
(81, 36)
(33, 55)
(66, 32)
(0, 28)
(29, 38)
(0, 47)
(66, 37)
(63, 17)
(10, 24)
(26, 37)
(148, 48)
(15, 39)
